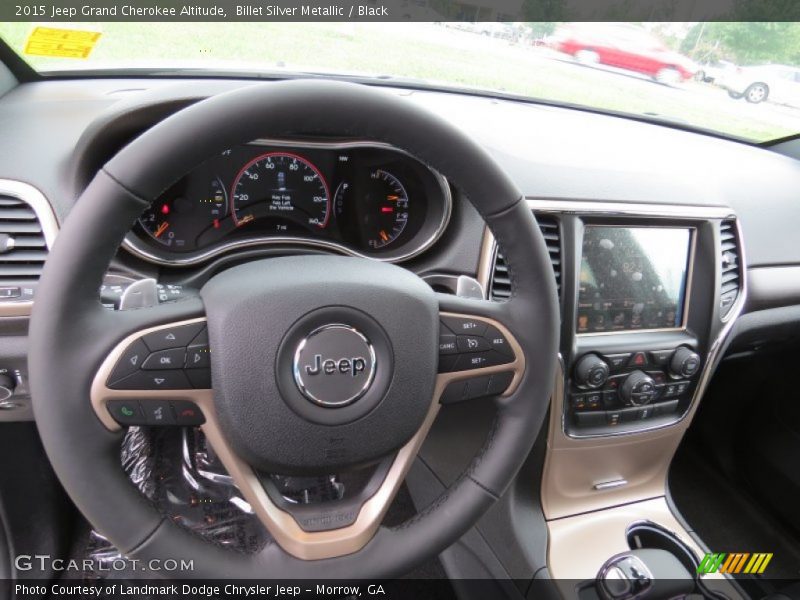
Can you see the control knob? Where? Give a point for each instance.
(685, 362)
(591, 371)
(638, 389)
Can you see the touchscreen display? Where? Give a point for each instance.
(632, 278)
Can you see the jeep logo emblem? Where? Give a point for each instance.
(353, 366)
(334, 365)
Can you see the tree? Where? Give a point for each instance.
(757, 42)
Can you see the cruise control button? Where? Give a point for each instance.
(478, 360)
(130, 361)
(172, 337)
(165, 359)
(197, 357)
(157, 412)
(126, 412)
(497, 341)
(472, 343)
(187, 413)
(153, 380)
(462, 326)
(447, 344)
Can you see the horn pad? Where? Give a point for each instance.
(320, 363)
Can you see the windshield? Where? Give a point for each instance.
(737, 79)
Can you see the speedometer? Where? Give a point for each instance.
(280, 186)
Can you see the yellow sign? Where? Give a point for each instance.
(64, 43)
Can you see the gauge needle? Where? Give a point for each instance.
(390, 198)
(384, 236)
(161, 229)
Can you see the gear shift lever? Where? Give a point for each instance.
(643, 573)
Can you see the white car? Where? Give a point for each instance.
(777, 83)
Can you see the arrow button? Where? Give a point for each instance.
(174, 379)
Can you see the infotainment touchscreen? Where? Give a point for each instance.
(632, 278)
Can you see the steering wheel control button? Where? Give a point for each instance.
(479, 360)
(499, 382)
(197, 357)
(497, 341)
(165, 359)
(157, 412)
(334, 365)
(472, 343)
(465, 326)
(187, 413)
(130, 361)
(199, 378)
(447, 344)
(153, 380)
(126, 412)
(172, 337)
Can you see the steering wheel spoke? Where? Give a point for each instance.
(160, 376)
(479, 357)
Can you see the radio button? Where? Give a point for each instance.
(617, 361)
(660, 358)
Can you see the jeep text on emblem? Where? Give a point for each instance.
(334, 365)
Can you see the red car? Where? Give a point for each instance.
(623, 46)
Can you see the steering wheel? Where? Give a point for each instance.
(318, 364)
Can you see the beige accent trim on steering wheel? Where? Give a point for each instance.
(280, 524)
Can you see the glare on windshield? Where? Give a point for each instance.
(737, 79)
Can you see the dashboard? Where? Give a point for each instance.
(359, 198)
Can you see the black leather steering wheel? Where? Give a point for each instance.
(257, 315)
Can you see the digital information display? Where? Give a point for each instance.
(632, 278)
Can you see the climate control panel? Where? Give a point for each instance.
(630, 390)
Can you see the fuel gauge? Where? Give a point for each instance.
(383, 207)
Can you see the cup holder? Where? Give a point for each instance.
(646, 534)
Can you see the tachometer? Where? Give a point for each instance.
(183, 214)
(282, 186)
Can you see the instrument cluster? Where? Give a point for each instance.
(358, 198)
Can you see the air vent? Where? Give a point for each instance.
(23, 248)
(500, 286)
(730, 272)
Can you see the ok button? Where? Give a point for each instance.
(165, 359)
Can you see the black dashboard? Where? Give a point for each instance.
(362, 198)
(357, 198)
